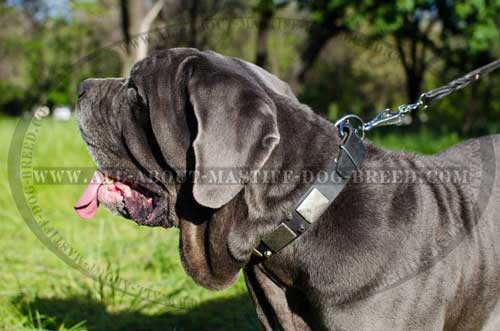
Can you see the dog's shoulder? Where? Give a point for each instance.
(476, 153)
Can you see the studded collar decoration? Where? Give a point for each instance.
(318, 197)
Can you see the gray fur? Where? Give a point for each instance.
(394, 256)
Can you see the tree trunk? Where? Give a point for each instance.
(136, 22)
(319, 35)
(414, 87)
(124, 20)
(143, 40)
(266, 13)
(413, 66)
(193, 24)
(313, 49)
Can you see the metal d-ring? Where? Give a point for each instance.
(345, 119)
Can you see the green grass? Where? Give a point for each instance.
(422, 142)
(38, 291)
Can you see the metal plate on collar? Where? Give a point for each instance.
(313, 206)
(279, 238)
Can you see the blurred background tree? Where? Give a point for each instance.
(338, 56)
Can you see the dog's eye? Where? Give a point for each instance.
(130, 83)
(132, 96)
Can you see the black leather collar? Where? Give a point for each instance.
(318, 197)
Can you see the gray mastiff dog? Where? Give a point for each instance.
(403, 247)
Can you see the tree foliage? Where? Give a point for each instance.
(339, 56)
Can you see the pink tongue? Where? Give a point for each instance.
(86, 206)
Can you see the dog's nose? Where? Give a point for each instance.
(83, 87)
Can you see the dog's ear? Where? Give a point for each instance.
(236, 131)
(205, 101)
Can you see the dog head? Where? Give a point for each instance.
(163, 138)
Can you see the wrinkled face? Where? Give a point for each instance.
(114, 121)
(156, 138)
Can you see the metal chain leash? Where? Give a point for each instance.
(387, 117)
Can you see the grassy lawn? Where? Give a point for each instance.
(38, 291)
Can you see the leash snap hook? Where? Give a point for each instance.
(422, 102)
